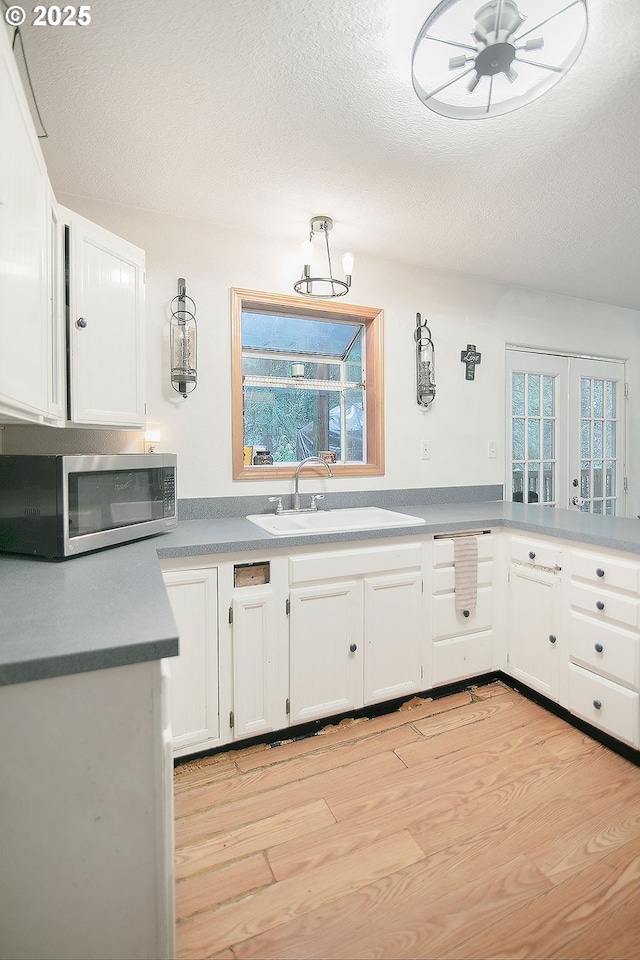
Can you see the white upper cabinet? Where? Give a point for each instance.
(105, 327)
(25, 336)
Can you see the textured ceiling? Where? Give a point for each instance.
(260, 113)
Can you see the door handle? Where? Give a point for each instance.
(578, 501)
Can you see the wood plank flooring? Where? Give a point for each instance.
(474, 826)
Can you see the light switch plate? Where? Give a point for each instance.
(425, 450)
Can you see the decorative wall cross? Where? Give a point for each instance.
(470, 357)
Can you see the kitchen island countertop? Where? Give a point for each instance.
(110, 608)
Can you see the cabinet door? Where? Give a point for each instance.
(255, 665)
(325, 650)
(106, 327)
(194, 687)
(394, 631)
(24, 330)
(533, 646)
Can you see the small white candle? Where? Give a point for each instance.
(297, 369)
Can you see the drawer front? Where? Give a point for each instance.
(443, 580)
(443, 550)
(350, 563)
(449, 622)
(535, 552)
(605, 606)
(605, 704)
(605, 649)
(607, 572)
(462, 658)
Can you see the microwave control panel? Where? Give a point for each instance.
(169, 499)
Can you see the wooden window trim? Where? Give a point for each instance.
(374, 380)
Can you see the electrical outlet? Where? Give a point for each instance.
(492, 451)
(425, 450)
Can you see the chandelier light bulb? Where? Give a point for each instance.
(306, 253)
(347, 264)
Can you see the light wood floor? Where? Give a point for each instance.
(474, 826)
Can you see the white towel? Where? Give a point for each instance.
(465, 561)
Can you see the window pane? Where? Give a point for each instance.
(518, 440)
(610, 508)
(548, 399)
(533, 488)
(610, 482)
(585, 479)
(597, 478)
(303, 369)
(585, 397)
(548, 438)
(533, 395)
(597, 438)
(610, 399)
(296, 335)
(596, 506)
(517, 483)
(533, 443)
(610, 449)
(354, 426)
(598, 404)
(548, 485)
(517, 394)
(585, 438)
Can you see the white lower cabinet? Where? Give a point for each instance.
(258, 703)
(462, 640)
(326, 649)
(194, 686)
(394, 634)
(604, 642)
(534, 650)
(607, 705)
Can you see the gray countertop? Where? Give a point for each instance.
(110, 608)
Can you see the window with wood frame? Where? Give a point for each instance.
(307, 380)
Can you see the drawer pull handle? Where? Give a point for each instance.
(597, 704)
(465, 613)
(599, 648)
(353, 647)
(599, 572)
(532, 555)
(552, 639)
(600, 605)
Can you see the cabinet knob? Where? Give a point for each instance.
(599, 572)
(353, 647)
(532, 555)
(597, 704)
(599, 648)
(81, 322)
(600, 605)
(465, 613)
(552, 639)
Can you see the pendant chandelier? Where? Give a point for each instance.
(318, 286)
(471, 62)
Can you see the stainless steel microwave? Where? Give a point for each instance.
(60, 506)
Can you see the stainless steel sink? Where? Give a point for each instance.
(332, 521)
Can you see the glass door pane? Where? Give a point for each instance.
(596, 462)
(536, 392)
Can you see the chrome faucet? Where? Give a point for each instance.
(296, 478)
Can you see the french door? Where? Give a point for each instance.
(565, 431)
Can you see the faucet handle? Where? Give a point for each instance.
(278, 501)
(316, 496)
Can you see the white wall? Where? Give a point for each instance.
(460, 310)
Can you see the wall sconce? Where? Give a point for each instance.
(425, 364)
(183, 342)
(322, 286)
(151, 437)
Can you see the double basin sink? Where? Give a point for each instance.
(332, 521)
